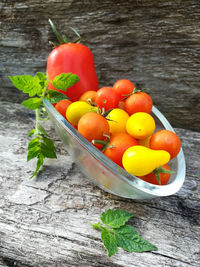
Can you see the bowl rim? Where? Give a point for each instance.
(133, 181)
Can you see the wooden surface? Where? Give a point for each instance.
(155, 43)
(45, 221)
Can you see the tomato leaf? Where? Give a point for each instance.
(42, 78)
(54, 96)
(41, 130)
(115, 218)
(32, 132)
(33, 143)
(32, 103)
(109, 242)
(65, 80)
(27, 84)
(128, 239)
(40, 161)
(48, 148)
(33, 152)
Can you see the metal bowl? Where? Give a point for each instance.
(106, 174)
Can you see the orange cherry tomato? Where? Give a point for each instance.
(118, 144)
(88, 96)
(123, 88)
(166, 140)
(93, 126)
(62, 106)
(151, 177)
(138, 102)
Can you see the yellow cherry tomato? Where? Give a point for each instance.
(140, 160)
(76, 110)
(117, 119)
(140, 125)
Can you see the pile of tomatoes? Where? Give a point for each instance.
(117, 121)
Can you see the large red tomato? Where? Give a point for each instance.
(75, 58)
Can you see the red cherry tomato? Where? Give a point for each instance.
(166, 140)
(75, 58)
(62, 106)
(93, 126)
(138, 102)
(151, 177)
(123, 88)
(107, 98)
(119, 143)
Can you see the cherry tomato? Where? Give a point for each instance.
(88, 96)
(76, 110)
(107, 98)
(119, 143)
(166, 140)
(62, 106)
(93, 126)
(140, 125)
(117, 119)
(138, 102)
(140, 160)
(75, 58)
(151, 177)
(123, 88)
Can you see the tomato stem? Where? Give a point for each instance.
(160, 170)
(62, 39)
(103, 143)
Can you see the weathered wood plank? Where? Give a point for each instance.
(45, 221)
(153, 43)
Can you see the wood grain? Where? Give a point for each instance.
(154, 43)
(45, 221)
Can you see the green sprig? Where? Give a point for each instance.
(116, 233)
(41, 146)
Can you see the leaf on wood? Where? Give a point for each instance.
(109, 242)
(115, 218)
(129, 239)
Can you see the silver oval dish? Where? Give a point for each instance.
(104, 173)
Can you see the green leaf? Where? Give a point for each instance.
(40, 161)
(55, 96)
(42, 130)
(42, 77)
(32, 103)
(109, 242)
(31, 133)
(48, 148)
(65, 80)
(33, 143)
(33, 152)
(115, 218)
(27, 84)
(128, 239)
